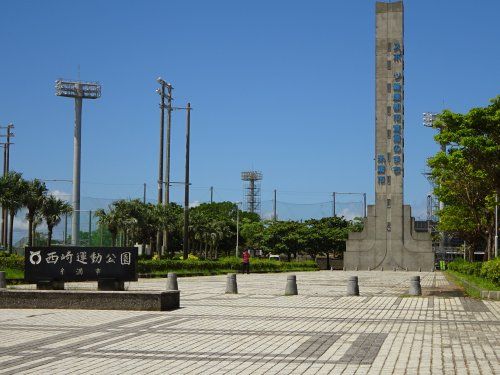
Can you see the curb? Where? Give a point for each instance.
(485, 294)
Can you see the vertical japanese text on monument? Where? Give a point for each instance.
(397, 119)
(397, 105)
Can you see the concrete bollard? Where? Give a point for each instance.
(415, 288)
(3, 282)
(352, 286)
(291, 286)
(231, 285)
(172, 281)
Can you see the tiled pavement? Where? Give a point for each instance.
(260, 331)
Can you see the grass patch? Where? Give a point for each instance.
(11, 273)
(477, 283)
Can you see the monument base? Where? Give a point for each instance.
(110, 284)
(50, 285)
(89, 300)
(375, 248)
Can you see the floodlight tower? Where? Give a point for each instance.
(252, 190)
(79, 91)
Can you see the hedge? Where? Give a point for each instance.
(489, 270)
(146, 266)
(11, 261)
(228, 263)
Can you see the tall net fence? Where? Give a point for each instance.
(304, 211)
(91, 234)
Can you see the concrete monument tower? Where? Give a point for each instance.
(388, 239)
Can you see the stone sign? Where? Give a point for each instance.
(71, 263)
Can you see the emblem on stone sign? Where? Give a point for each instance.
(35, 257)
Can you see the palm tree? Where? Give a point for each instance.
(52, 210)
(166, 218)
(33, 201)
(126, 215)
(108, 220)
(37, 220)
(12, 189)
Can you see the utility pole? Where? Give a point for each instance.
(334, 204)
(185, 244)
(65, 228)
(364, 204)
(161, 92)
(90, 228)
(275, 216)
(162, 132)
(167, 157)
(211, 194)
(6, 162)
(237, 253)
(79, 91)
(144, 193)
(167, 164)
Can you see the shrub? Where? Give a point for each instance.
(11, 261)
(491, 270)
(227, 263)
(468, 268)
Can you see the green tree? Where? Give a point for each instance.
(52, 210)
(252, 233)
(287, 237)
(12, 190)
(327, 235)
(33, 198)
(467, 174)
(212, 229)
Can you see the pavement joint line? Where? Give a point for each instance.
(252, 334)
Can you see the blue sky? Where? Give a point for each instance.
(284, 87)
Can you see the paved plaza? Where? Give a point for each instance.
(261, 331)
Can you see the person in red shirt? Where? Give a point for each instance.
(246, 261)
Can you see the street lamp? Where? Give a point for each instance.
(6, 162)
(428, 119)
(79, 91)
(237, 228)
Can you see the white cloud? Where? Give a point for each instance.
(349, 214)
(267, 215)
(61, 195)
(194, 204)
(20, 222)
